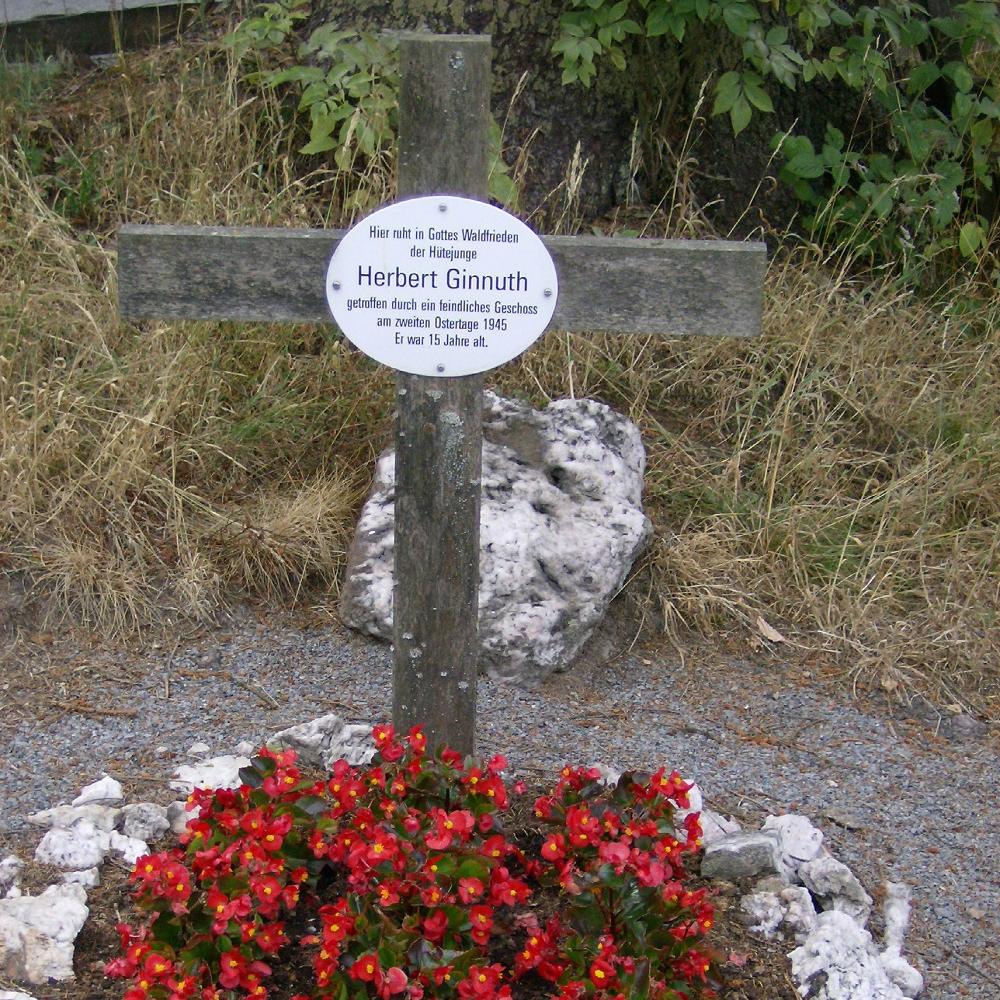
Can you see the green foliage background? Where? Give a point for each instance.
(918, 186)
(912, 187)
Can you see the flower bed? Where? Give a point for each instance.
(409, 877)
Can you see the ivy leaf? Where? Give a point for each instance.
(726, 92)
(922, 77)
(296, 74)
(806, 164)
(740, 114)
(659, 22)
(982, 132)
(738, 17)
(960, 75)
(758, 97)
(970, 238)
(320, 145)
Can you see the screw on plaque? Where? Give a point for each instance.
(440, 368)
(335, 285)
(547, 293)
(442, 207)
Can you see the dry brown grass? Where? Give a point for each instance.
(841, 474)
(148, 472)
(839, 477)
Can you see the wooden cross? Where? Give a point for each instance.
(634, 286)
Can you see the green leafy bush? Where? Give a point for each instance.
(918, 185)
(401, 877)
(346, 83)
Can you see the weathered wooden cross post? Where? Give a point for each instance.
(615, 285)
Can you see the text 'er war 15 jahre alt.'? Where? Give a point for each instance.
(441, 286)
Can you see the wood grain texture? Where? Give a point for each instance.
(436, 550)
(616, 285)
(443, 149)
(23, 11)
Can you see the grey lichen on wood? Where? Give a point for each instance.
(443, 149)
(610, 284)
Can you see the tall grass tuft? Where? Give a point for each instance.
(148, 472)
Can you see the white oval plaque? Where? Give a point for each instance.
(441, 286)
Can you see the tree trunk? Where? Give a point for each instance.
(543, 121)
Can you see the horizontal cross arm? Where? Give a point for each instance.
(609, 284)
(19, 11)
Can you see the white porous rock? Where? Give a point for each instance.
(897, 918)
(245, 748)
(788, 909)
(37, 934)
(178, 814)
(763, 914)
(800, 913)
(198, 749)
(610, 776)
(129, 849)
(324, 741)
(838, 961)
(561, 526)
(81, 846)
(15, 995)
(10, 873)
(798, 840)
(715, 826)
(835, 887)
(103, 792)
(89, 878)
(216, 772)
(63, 817)
(741, 855)
(145, 821)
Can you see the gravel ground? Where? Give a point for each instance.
(895, 797)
